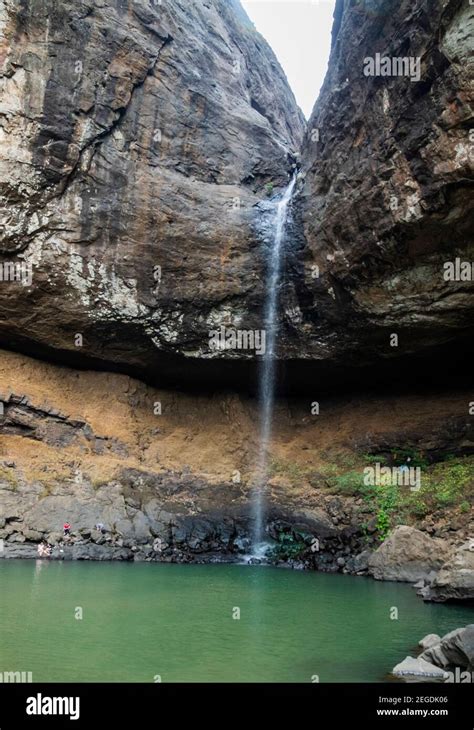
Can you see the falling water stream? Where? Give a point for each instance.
(268, 369)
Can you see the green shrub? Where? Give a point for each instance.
(445, 484)
(385, 500)
(352, 482)
(375, 459)
(452, 478)
(409, 456)
(287, 548)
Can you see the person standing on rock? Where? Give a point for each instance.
(67, 529)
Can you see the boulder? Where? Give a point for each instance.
(429, 641)
(141, 527)
(416, 669)
(456, 649)
(242, 543)
(359, 563)
(408, 555)
(54, 538)
(97, 537)
(33, 535)
(455, 579)
(16, 537)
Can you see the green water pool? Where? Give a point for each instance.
(147, 622)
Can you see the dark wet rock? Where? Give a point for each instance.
(97, 552)
(359, 563)
(242, 544)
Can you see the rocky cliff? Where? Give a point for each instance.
(170, 474)
(386, 198)
(137, 137)
(139, 142)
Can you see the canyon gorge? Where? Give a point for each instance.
(144, 147)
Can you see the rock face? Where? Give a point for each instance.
(455, 580)
(136, 140)
(150, 516)
(387, 167)
(158, 464)
(407, 555)
(139, 141)
(169, 483)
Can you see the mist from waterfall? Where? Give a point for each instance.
(268, 368)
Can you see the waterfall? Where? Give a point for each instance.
(268, 369)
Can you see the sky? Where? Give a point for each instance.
(299, 31)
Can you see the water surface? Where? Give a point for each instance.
(176, 621)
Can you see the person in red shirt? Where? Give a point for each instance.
(67, 529)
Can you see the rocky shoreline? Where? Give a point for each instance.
(439, 570)
(445, 659)
(88, 448)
